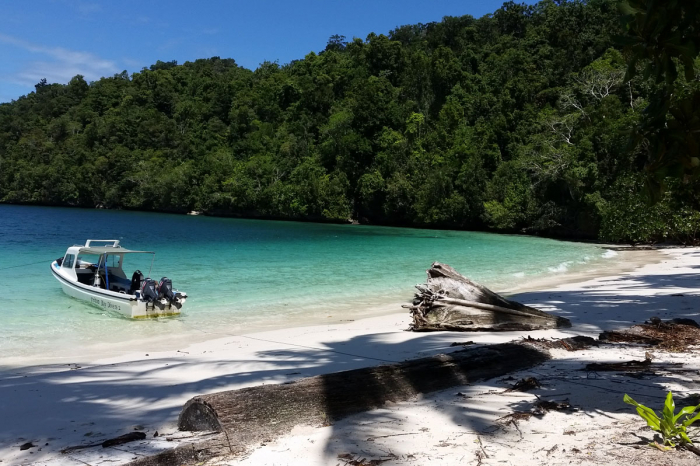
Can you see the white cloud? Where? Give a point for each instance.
(57, 64)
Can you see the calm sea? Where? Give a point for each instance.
(241, 275)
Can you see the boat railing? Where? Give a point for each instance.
(115, 242)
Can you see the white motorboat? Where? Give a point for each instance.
(94, 273)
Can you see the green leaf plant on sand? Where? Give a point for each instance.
(671, 426)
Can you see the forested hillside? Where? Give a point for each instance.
(518, 121)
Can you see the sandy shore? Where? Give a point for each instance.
(56, 406)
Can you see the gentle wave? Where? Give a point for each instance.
(563, 267)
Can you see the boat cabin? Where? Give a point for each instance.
(101, 265)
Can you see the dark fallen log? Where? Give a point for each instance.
(259, 414)
(450, 301)
(634, 366)
(122, 439)
(619, 366)
(575, 343)
(627, 337)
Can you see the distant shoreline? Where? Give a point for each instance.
(571, 237)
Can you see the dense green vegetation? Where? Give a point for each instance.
(519, 121)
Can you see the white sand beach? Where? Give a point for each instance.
(86, 401)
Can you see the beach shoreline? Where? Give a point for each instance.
(60, 405)
(624, 260)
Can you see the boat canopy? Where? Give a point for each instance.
(99, 250)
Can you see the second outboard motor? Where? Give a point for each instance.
(149, 292)
(165, 290)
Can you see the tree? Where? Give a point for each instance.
(661, 37)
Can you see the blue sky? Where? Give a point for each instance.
(57, 39)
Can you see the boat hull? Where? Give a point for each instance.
(124, 304)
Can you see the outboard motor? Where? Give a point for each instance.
(149, 292)
(165, 290)
(136, 280)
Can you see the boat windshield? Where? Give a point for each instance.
(86, 260)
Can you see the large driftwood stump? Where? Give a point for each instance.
(450, 301)
(253, 415)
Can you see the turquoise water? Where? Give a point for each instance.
(241, 275)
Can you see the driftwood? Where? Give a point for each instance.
(122, 439)
(450, 301)
(575, 343)
(625, 366)
(627, 337)
(675, 335)
(253, 415)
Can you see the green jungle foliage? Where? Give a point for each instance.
(519, 121)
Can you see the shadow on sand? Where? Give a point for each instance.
(65, 405)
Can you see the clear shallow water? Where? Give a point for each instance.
(241, 274)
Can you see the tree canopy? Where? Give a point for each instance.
(663, 37)
(519, 121)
